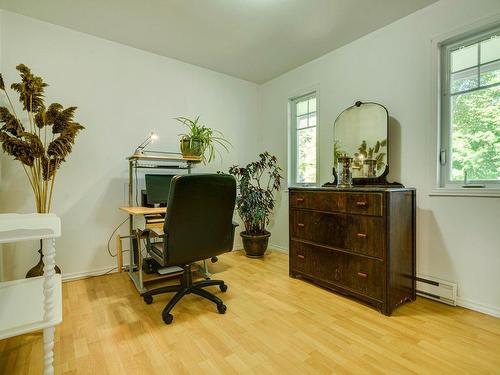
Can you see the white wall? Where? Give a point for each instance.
(1, 246)
(122, 94)
(458, 238)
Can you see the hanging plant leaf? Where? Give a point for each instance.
(49, 167)
(63, 119)
(11, 124)
(52, 113)
(40, 117)
(35, 145)
(19, 149)
(30, 89)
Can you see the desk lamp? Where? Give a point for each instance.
(140, 149)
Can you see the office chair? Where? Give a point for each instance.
(198, 225)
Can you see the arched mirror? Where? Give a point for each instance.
(361, 132)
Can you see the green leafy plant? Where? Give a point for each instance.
(372, 152)
(337, 151)
(202, 138)
(256, 184)
(51, 135)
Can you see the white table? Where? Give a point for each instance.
(32, 304)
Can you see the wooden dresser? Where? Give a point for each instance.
(356, 241)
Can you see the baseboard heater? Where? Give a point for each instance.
(436, 289)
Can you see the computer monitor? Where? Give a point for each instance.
(158, 188)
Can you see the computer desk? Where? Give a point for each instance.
(140, 210)
(158, 161)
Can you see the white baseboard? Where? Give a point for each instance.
(479, 307)
(86, 274)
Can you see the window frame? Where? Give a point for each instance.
(445, 152)
(293, 131)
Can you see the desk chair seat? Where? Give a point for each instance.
(198, 225)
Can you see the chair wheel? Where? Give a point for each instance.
(221, 309)
(223, 287)
(148, 299)
(167, 318)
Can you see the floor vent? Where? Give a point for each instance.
(436, 289)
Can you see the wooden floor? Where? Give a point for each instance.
(274, 324)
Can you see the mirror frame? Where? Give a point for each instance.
(367, 181)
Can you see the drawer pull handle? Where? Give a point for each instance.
(361, 204)
(301, 225)
(362, 274)
(361, 235)
(300, 256)
(300, 200)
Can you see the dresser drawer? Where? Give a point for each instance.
(317, 262)
(365, 276)
(322, 228)
(322, 201)
(366, 235)
(364, 203)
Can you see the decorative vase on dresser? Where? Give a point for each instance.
(356, 241)
(356, 235)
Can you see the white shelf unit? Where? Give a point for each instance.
(33, 304)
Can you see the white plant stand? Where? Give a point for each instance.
(29, 305)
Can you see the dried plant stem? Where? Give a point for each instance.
(29, 178)
(36, 186)
(51, 189)
(11, 106)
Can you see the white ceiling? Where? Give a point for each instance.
(255, 40)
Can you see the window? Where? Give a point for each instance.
(470, 110)
(304, 166)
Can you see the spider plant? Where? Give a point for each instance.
(373, 152)
(201, 140)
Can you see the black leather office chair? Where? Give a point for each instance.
(198, 225)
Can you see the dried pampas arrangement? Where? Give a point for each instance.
(51, 135)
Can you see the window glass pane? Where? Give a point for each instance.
(464, 80)
(301, 108)
(302, 122)
(312, 105)
(306, 156)
(490, 73)
(312, 119)
(475, 135)
(490, 49)
(464, 57)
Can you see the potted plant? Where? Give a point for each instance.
(255, 201)
(42, 145)
(200, 141)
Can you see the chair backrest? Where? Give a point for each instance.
(198, 223)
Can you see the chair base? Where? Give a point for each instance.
(187, 287)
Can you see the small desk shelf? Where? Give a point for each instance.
(33, 304)
(152, 160)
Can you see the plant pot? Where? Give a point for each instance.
(191, 148)
(255, 245)
(37, 270)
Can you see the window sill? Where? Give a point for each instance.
(465, 192)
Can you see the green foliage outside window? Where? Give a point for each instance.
(475, 132)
